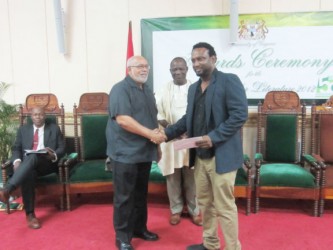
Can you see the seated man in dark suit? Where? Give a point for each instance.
(36, 136)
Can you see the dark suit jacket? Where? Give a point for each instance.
(53, 139)
(226, 111)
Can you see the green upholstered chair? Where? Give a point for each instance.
(87, 173)
(322, 148)
(157, 182)
(280, 172)
(243, 183)
(52, 184)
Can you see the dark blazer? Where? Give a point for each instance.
(226, 112)
(53, 139)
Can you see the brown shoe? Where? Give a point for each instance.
(33, 222)
(174, 219)
(4, 195)
(196, 220)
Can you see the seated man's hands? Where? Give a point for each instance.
(17, 164)
(50, 154)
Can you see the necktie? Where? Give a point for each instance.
(35, 142)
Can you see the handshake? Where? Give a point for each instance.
(158, 136)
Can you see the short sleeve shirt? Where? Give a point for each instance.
(126, 98)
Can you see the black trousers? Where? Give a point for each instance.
(25, 176)
(130, 182)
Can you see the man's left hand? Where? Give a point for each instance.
(50, 154)
(206, 142)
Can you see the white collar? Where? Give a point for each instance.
(40, 128)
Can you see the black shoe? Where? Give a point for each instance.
(146, 235)
(197, 247)
(32, 221)
(123, 245)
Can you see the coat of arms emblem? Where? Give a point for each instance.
(281, 98)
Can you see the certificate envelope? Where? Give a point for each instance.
(186, 143)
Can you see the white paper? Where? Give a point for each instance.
(41, 151)
(186, 143)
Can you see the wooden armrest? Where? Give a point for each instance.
(320, 161)
(258, 158)
(61, 161)
(71, 159)
(67, 160)
(246, 160)
(318, 157)
(315, 164)
(6, 164)
(309, 159)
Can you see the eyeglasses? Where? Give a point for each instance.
(141, 66)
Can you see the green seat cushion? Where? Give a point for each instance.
(94, 171)
(285, 175)
(241, 178)
(156, 174)
(90, 171)
(48, 179)
(93, 137)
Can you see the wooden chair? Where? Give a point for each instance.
(322, 148)
(243, 183)
(280, 172)
(51, 184)
(88, 174)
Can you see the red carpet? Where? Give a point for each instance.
(89, 226)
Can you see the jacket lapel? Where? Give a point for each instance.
(190, 107)
(30, 138)
(47, 134)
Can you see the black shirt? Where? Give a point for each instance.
(126, 98)
(199, 122)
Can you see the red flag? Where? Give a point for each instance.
(130, 50)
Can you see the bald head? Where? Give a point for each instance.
(178, 70)
(38, 116)
(138, 69)
(132, 61)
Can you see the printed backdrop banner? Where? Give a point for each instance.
(289, 51)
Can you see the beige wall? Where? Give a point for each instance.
(96, 33)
